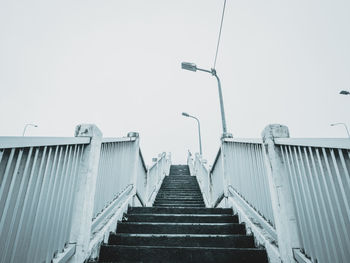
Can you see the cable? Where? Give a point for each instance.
(222, 21)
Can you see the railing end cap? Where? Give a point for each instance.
(272, 131)
(133, 134)
(87, 130)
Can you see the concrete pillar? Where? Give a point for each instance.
(281, 196)
(85, 192)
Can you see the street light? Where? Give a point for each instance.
(344, 92)
(28, 124)
(199, 130)
(193, 67)
(341, 123)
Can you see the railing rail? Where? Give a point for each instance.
(216, 179)
(58, 192)
(287, 180)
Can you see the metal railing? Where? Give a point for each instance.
(317, 174)
(44, 183)
(117, 160)
(202, 174)
(318, 170)
(156, 174)
(216, 177)
(142, 179)
(246, 174)
(37, 184)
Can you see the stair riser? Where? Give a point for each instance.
(180, 206)
(181, 229)
(179, 201)
(172, 196)
(164, 210)
(238, 241)
(185, 201)
(182, 219)
(171, 255)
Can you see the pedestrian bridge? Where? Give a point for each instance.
(64, 199)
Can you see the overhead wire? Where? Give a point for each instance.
(222, 21)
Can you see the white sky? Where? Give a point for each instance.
(117, 64)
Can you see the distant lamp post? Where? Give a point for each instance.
(341, 123)
(193, 67)
(199, 130)
(26, 126)
(344, 92)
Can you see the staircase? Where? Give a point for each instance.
(178, 228)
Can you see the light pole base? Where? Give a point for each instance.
(226, 135)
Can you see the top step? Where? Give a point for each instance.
(179, 170)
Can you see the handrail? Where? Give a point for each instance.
(140, 198)
(243, 140)
(121, 139)
(219, 199)
(22, 142)
(96, 221)
(315, 142)
(215, 160)
(143, 161)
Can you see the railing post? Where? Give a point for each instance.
(224, 169)
(85, 192)
(281, 196)
(135, 160)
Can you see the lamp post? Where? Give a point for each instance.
(26, 126)
(193, 67)
(199, 130)
(344, 92)
(341, 123)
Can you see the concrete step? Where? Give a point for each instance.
(119, 253)
(179, 205)
(185, 199)
(188, 200)
(236, 241)
(180, 228)
(181, 218)
(170, 210)
(179, 195)
(179, 190)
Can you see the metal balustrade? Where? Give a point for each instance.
(318, 170)
(246, 174)
(117, 161)
(142, 179)
(202, 174)
(156, 174)
(37, 183)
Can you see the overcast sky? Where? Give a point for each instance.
(117, 64)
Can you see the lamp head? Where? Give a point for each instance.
(186, 114)
(344, 92)
(189, 66)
